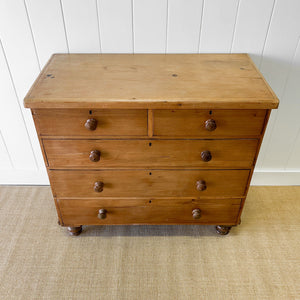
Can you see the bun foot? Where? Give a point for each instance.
(223, 230)
(75, 230)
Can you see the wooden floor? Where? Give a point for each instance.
(259, 259)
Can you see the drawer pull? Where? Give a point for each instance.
(201, 185)
(210, 125)
(91, 124)
(98, 186)
(95, 155)
(196, 213)
(102, 213)
(206, 155)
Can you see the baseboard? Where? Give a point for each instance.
(276, 177)
(260, 177)
(23, 177)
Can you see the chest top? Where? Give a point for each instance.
(151, 81)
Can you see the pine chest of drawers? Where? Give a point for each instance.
(150, 138)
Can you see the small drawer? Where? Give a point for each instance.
(100, 212)
(79, 122)
(148, 183)
(208, 123)
(150, 153)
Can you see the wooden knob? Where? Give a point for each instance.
(91, 124)
(206, 155)
(98, 186)
(201, 185)
(95, 155)
(196, 213)
(102, 213)
(210, 125)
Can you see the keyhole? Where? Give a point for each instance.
(210, 112)
(90, 112)
(150, 144)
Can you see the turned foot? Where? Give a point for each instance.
(75, 230)
(223, 230)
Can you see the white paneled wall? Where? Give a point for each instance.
(31, 30)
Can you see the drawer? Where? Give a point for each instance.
(86, 212)
(201, 123)
(73, 122)
(148, 183)
(150, 153)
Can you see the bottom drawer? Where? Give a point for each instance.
(75, 212)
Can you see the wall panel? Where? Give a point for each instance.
(115, 17)
(82, 26)
(218, 24)
(184, 23)
(48, 29)
(150, 26)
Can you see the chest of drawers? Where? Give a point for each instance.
(150, 138)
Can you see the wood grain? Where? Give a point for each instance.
(78, 211)
(191, 123)
(150, 153)
(149, 183)
(150, 81)
(71, 122)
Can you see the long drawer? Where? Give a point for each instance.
(149, 183)
(205, 123)
(86, 211)
(150, 153)
(74, 122)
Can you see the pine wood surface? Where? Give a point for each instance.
(71, 122)
(234, 153)
(190, 123)
(151, 81)
(78, 211)
(148, 183)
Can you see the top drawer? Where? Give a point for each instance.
(109, 122)
(208, 123)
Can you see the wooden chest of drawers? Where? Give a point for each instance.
(150, 139)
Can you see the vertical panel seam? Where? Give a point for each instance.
(267, 33)
(98, 27)
(6, 149)
(167, 27)
(18, 103)
(201, 25)
(32, 36)
(132, 24)
(65, 29)
(234, 27)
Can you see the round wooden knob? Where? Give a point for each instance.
(102, 213)
(95, 155)
(210, 125)
(206, 155)
(201, 185)
(91, 124)
(196, 213)
(98, 186)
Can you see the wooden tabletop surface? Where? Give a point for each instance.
(219, 81)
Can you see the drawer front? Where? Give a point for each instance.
(205, 123)
(149, 183)
(78, 212)
(150, 153)
(73, 122)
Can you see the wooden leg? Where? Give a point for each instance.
(75, 230)
(223, 230)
